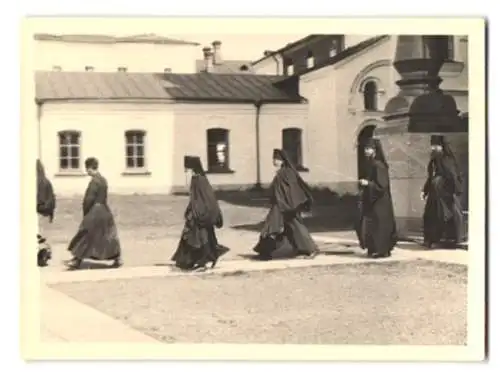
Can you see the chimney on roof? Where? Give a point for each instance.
(217, 57)
(207, 58)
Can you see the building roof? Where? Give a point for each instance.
(336, 58)
(346, 53)
(227, 67)
(61, 85)
(109, 39)
(289, 46)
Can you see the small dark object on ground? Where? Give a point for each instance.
(44, 252)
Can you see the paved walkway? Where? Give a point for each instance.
(94, 326)
(63, 319)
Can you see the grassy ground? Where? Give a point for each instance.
(149, 225)
(418, 303)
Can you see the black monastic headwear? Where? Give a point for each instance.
(377, 147)
(437, 140)
(277, 154)
(193, 163)
(371, 143)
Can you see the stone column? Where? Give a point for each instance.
(418, 110)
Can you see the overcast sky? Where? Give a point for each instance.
(239, 45)
(245, 47)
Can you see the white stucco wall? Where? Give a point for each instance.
(319, 88)
(102, 127)
(353, 39)
(108, 57)
(193, 120)
(273, 119)
(172, 131)
(191, 123)
(374, 63)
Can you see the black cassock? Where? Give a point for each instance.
(45, 206)
(376, 227)
(290, 196)
(97, 237)
(45, 197)
(198, 243)
(443, 217)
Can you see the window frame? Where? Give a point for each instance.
(334, 48)
(374, 99)
(212, 166)
(288, 66)
(135, 156)
(69, 133)
(310, 61)
(298, 135)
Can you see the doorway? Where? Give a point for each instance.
(364, 135)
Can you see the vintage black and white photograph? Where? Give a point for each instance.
(231, 188)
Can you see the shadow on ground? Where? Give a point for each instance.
(331, 211)
(286, 252)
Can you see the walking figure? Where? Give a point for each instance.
(45, 206)
(376, 228)
(97, 237)
(290, 196)
(443, 217)
(198, 245)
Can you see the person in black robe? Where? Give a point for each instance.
(376, 229)
(97, 237)
(443, 216)
(289, 197)
(198, 244)
(45, 206)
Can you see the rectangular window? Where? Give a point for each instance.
(69, 150)
(288, 66)
(292, 145)
(333, 49)
(135, 141)
(310, 60)
(218, 150)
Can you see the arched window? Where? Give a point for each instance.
(370, 95)
(135, 143)
(364, 135)
(291, 141)
(218, 150)
(69, 150)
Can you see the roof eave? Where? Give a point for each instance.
(344, 54)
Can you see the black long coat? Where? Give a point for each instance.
(376, 228)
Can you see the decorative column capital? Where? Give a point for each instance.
(420, 106)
